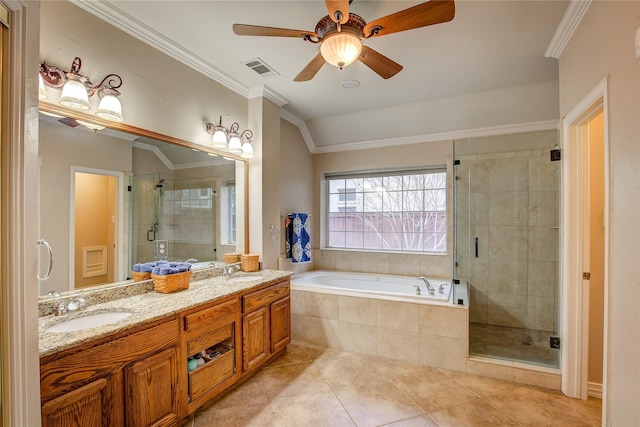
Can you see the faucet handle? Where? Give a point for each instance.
(59, 308)
(78, 303)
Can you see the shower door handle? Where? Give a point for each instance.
(475, 246)
(42, 242)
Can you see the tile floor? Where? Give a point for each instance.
(312, 386)
(510, 343)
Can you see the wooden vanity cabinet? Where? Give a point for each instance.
(130, 380)
(214, 328)
(266, 324)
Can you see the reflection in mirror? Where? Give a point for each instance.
(110, 199)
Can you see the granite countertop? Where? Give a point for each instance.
(146, 308)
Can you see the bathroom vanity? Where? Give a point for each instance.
(136, 371)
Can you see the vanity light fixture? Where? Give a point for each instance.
(77, 89)
(231, 140)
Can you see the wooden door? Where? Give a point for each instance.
(280, 324)
(83, 407)
(255, 338)
(151, 390)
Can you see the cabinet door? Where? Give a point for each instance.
(255, 338)
(280, 324)
(151, 390)
(83, 407)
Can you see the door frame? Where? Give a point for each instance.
(120, 253)
(575, 240)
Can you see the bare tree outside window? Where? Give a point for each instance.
(394, 212)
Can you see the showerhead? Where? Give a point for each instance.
(159, 184)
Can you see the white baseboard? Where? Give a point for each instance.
(594, 390)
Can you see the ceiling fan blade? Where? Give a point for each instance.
(311, 69)
(256, 30)
(338, 8)
(379, 63)
(429, 13)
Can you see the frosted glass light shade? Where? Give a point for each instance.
(341, 49)
(42, 92)
(219, 139)
(74, 95)
(247, 150)
(110, 109)
(235, 145)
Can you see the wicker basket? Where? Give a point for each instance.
(250, 262)
(167, 283)
(139, 277)
(231, 258)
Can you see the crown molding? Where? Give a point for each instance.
(262, 90)
(123, 21)
(441, 136)
(570, 21)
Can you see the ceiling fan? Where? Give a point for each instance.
(340, 35)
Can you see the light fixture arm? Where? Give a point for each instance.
(57, 77)
(246, 135)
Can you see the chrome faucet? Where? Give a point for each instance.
(74, 304)
(191, 260)
(427, 285)
(228, 270)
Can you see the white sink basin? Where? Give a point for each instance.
(245, 278)
(86, 322)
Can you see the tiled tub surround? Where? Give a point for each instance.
(401, 264)
(426, 332)
(429, 333)
(147, 307)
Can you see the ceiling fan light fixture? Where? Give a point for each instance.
(341, 48)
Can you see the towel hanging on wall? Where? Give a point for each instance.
(298, 237)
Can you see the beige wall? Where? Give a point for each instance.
(296, 184)
(603, 47)
(264, 180)
(596, 244)
(403, 156)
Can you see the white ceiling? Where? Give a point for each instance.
(488, 45)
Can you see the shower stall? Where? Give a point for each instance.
(506, 195)
(180, 212)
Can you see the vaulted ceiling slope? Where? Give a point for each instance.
(484, 69)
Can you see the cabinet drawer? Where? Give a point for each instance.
(211, 373)
(208, 339)
(210, 317)
(265, 297)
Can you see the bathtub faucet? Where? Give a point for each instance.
(427, 285)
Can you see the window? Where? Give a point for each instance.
(393, 211)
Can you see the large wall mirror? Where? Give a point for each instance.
(115, 196)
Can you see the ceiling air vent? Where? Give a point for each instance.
(261, 67)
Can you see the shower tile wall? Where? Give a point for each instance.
(512, 205)
(186, 219)
(429, 265)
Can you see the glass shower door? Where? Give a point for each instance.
(506, 208)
